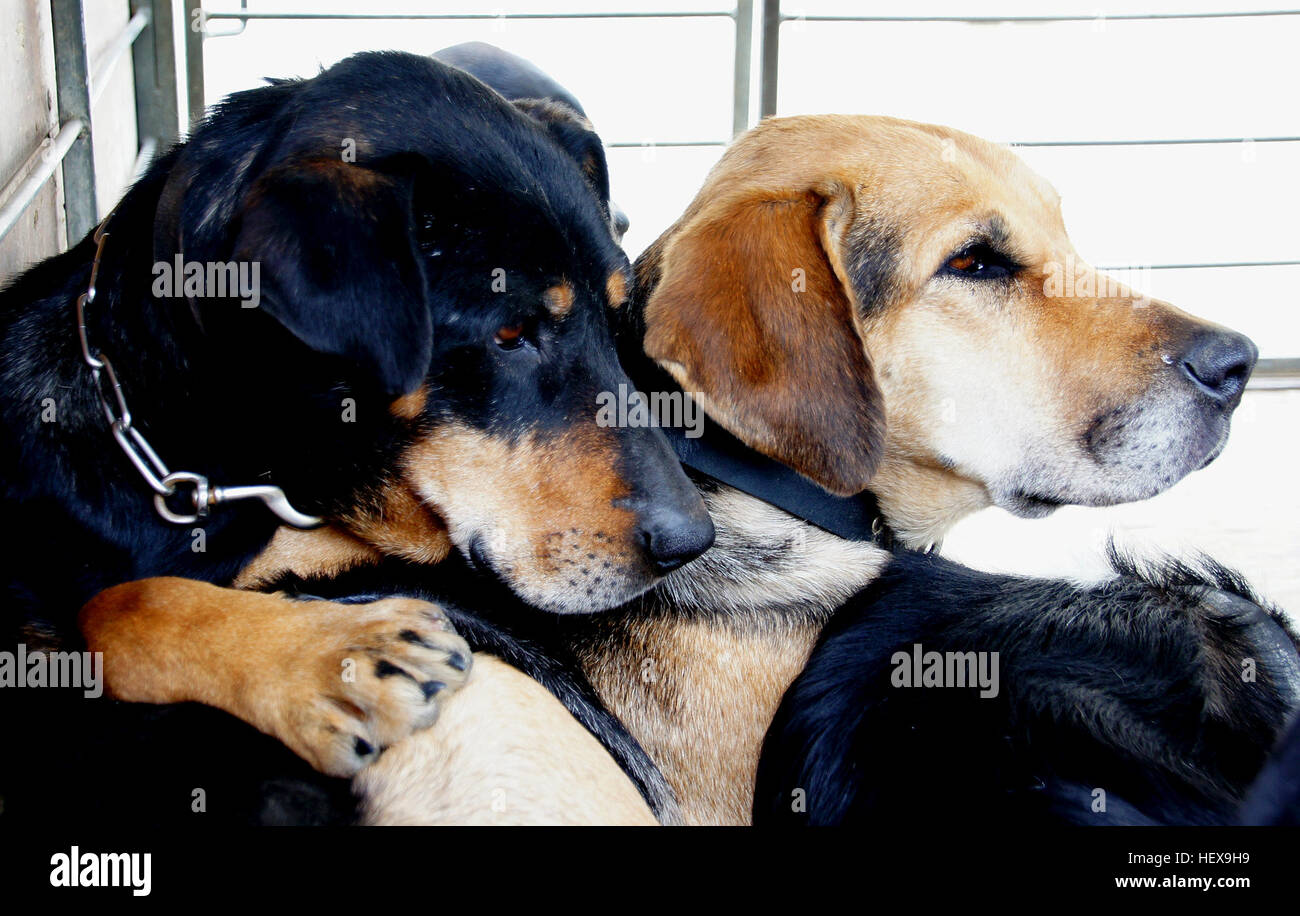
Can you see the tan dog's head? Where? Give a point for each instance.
(885, 303)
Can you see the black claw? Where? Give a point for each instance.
(432, 688)
(363, 747)
(385, 668)
(412, 636)
(457, 661)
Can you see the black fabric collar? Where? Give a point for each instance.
(720, 455)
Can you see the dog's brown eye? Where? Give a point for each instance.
(510, 336)
(980, 262)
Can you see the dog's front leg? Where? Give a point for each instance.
(336, 683)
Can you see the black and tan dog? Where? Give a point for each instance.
(416, 361)
(878, 304)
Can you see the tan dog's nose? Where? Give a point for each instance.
(1219, 362)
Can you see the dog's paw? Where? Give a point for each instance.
(387, 667)
(335, 682)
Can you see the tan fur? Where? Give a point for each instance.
(504, 753)
(321, 552)
(544, 512)
(410, 405)
(305, 672)
(616, 289)
(698, 683)
(559, 299)
(401, 524)
(698, 696)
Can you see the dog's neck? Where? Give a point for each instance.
(923, 502)
(66, 480)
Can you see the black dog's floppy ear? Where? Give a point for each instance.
(339, 264)
(575, 135)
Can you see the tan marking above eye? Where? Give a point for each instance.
(559, 299)
(616, 289)
(409, 405)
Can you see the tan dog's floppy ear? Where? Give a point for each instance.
(753, 311)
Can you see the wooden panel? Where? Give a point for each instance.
(27, 110)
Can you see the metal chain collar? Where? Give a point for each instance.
(202, 496)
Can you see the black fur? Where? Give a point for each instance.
(376, 274)
(1274, 800)
(1133, 687)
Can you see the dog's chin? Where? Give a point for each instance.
(1029, 504)
(557, 594)
(562, 599)
(1216, 451)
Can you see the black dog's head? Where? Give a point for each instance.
(554, 107)
(424, 360)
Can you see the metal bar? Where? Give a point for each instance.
(148, 146)
(744, 42)
(1214, 265)
(742, 14)
(209, 35)
(157, 111)
(1172, 142)
(1275, 375)
(682, 14)
(1278, 366)
(102, 72)
(987, 20)
(632, 144)
(771, 57)
(195, 18)
(19, 193)
(72, 77)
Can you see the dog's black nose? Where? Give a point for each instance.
(673, 537)
(1219, 362)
